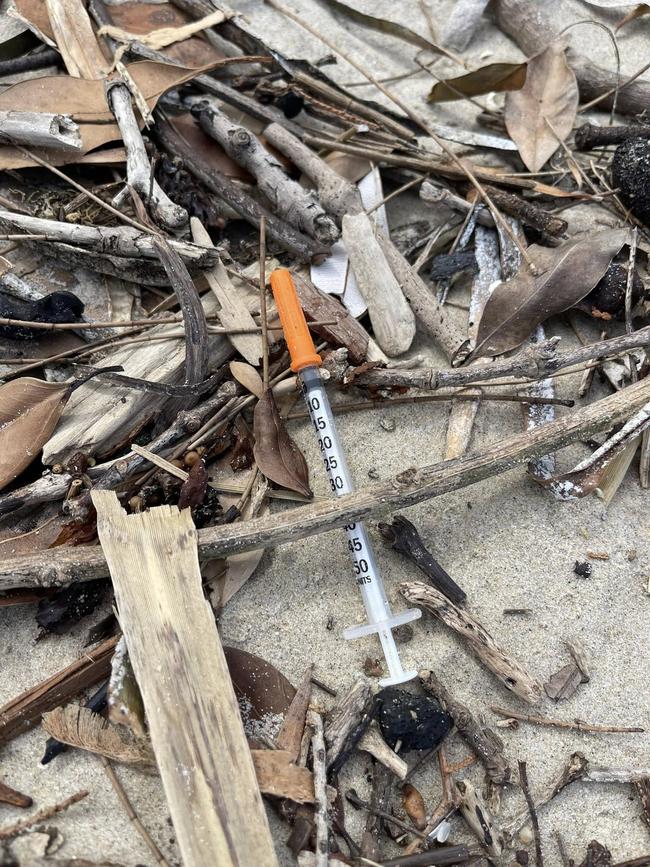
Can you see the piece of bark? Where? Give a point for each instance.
(76, 39)
(484, 742)
(474, 811)
(373, 743)
(590, 136)
(380, 799)
(345, 716)
(139, 172)
(279, 776)
(392, 319)
(176, 653)
(344, 329)
(293, 725)
(513, 676)
(120, 241)
(233, 311)
(290, 238)
(13, 797)
(430, 314)
(40, 129)
(21, 713)
(288, 199)
(404, 537)
(406, 489)
(580, 656)
(336, 195)
(597, 856)
(530, 26)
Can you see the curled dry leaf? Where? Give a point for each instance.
(565, 275)
(81, 727)
(414, 806)
(545, 107)
(493, 78)
(246, 375)
(29, 411)
(194, 487)
(276, 454)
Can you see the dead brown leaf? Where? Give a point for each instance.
(565, 275)
(545, 107)
(248, 376)
(29, 411)
(83, 728)
(493, 78)
(414, 806)
(276, 454)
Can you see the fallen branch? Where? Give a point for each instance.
(138, 168)
(535, 362)
(296, 242)
(41, 816)
(474, 811)
(40, 129)
(511, 674)
(575, 725)
(406, 489)
(288, 199)
(590, 136)
(530, 27)
(319, 757)
(118, 241)
(20, 713)
(523, 782)
(485, 743)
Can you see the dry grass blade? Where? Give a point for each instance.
(549, 93)
(80, 727)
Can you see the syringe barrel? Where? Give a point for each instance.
(363, 557)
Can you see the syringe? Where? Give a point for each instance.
(305, 361)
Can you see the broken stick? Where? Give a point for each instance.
(196, 729)
(40, 129)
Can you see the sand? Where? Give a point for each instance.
(505, 541)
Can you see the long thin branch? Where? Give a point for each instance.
(575, 725)
(42, 815)
(406, 489)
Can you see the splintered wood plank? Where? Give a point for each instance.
(75, 39)
(196, 729)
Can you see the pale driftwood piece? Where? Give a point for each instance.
(96, 419)
(298, 243)
(119, 241)
(605, 774)
(234, 312)
(530, 27)
(336, 195)
(463, 413)
(485, 743)
(392, 319)
(513, 676)
(277, 775)
(40, 129)
(319, 758)
(531, 363)
(406, 489)
(430, 314)
(373, 743)
(345, 716)
(76, 39)
(138, 168)
(477, 817)
(288, 199)
(200, 746)
(433, 195)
